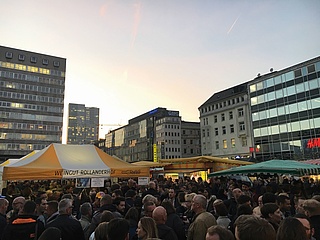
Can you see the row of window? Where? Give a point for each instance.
(31, 107)
(33, 59)
(32, 69)
(16, 146)
(31, 78)
(172, 156)
(287, 127)
(190, 132)
(242, 127)
(223, 116)
(30, 97)
(28, 126)
(168, 149)
(191, 151)
(285, 77)
(244, 143)
(287, 109)
(285, 92)
(29, 136)
(32, 117)
(222, 104)
(168, 134)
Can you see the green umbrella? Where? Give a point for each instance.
(273, 166)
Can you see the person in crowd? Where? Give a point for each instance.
(189, 214)
(217, 232)
(41, 207)
(147, 228)
(160, 217)
(249, 227)
(118, 229)
(120, 204)
(202, 219)
(148, 208)
(232, 203)
(269, 197)
(132, 216)
(298, 203)
(174, 221)
(70, 228)
(312, 210)
(221, 212)
(52, 211)
(271, 212)
(291, 228)
(172, 197)
(85, 219)
(51, 233)
(307, 225)
(152, 190)
(245, 187)
(101, 232)
(25, 226)
(17, 206)
(284, 204)
(116, 193)
(316, 197)
(257, 209)
(106, 217)
(130, 198)
(4, 203)
(210, 198)
(97, 199)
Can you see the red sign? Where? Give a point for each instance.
(313, 143)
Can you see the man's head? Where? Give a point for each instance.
(86, 209)
(298, 205)
(311, 207)
(4, 203)
(152, 185)
(199, 203)
(248, 227)
(18, 203)
(42, 205)
(120, 204)
(236, 193)
(306, 223)
(217, 232)
(105, 200)
(52, 208)
(118, 229)
(149, 208)
(159, 215)
(116, 193)
(65, 206)
(284, 203)
(172, 193)
(29, 208)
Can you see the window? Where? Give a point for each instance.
(217, 144)
(230, 115)
(208, 132)
(45, 61)
(244, 141)
(33, 59)
(222, 117)
(233, 143)
(21, 57)
(216, 131)
(242, 127)
(225, 145)
(191, 141)
(203, 133)
(240, 112)
(9, 55)
(56, 64)
(224, 131)
(231, 128)
(215, 118)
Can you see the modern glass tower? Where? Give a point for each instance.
(83, 124)
(31, 101)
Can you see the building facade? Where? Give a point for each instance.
(151, 136)
(31, 101)
(285, 110)
(225, 124)
(190, 139)
(83, 124)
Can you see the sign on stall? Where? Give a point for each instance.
(142, 181)
(97, 182)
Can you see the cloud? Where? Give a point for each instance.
(136, 21)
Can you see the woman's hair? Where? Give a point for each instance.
(168, 206)
(221, 209)
(133, 214)
(106, 216)
(51, 233)
(268, 208)
(101, 232)
(291, 228)
(149, 226)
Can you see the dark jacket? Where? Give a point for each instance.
(175, 222)
(24, 227)
(3, 223)
(70, 228)
(315, 222)
(166, 233)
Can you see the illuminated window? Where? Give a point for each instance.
(225, 145)
(233, 143)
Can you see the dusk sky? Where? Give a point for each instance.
(129, 57)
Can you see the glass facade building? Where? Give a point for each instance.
(31, 101)
(83, 124)
(285, 112)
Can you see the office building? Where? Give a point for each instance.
(83, 124)
(285, 108)
(31, 101)
(152, 136)
(225, 124)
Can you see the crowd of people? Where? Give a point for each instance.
(184, 209)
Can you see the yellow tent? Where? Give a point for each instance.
(71, 161)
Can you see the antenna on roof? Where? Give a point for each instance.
(271, 69)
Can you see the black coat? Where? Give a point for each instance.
(166, 233)
(175, 222)
(70, 228)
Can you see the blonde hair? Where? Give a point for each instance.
(149, 226)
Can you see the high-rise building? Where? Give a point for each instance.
(285, 111)
(152, 136)
(83, 124)
(31, 101)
